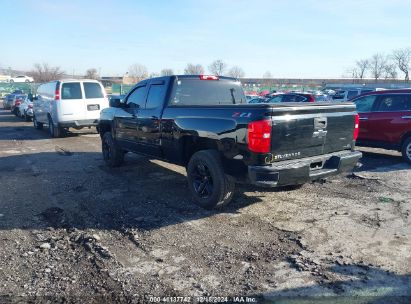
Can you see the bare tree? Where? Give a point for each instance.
(267, 74)
(137, 72)
(353, 72)
(154, 74)
(92, 74)
(217, 67)
(362, 67)
(378, 62)
(390, 71)
(236, 72)
(167, 72)
(402, 58)
(44, 72)
(194, 69)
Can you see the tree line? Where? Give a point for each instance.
(218, 67)
(136, 72)
(383, 66)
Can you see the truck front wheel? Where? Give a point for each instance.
(112, 154)
(207, 181)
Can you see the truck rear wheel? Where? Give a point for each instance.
(36, 124)
(406, 150)
(112, 154)
(53, 130)
(207, 181)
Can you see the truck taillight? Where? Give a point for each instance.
(259, 136)
(311, 98)
(356, 126)
(57, 94)
(209, 77)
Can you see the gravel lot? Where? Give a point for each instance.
(73, 230)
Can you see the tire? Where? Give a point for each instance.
(26, 117)
(53, 130)
(36, 124)
(11, 81)
(112, 154)
(27, 81)
(207, 181)
(406, 150)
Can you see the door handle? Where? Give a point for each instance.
(363, 118)
(406, 117)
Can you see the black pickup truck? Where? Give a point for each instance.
(204, 123)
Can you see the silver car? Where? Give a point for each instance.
(26, 109)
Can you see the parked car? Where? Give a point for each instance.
(257, 100)
(15, 103)
(385, 120)
(21, 78)
(68, 103)
(292, 97)
(346, 95)
(204, 124)
(18, 100)
(26, 109)
(7, 101)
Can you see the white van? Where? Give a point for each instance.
(68, 103)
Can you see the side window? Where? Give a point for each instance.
(393, 103)
(275, 99)
(351, 94)
(137, 98)
(365, 104)
(300, 98)
(70, 90)
(156, 96)
(293, 98)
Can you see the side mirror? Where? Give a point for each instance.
(116, 103)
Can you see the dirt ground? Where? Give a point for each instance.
(72, 230)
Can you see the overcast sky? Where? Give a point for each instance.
(300, 38)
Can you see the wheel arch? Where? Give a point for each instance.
(404, 138)
(191, 145)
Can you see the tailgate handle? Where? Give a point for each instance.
(320, 123)
(363, 118)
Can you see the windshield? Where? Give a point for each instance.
(191, 91)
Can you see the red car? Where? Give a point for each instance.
(385, 120)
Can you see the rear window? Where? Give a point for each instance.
(207, 92)
(71, 90)
(92, 90)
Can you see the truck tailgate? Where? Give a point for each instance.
(315, 129)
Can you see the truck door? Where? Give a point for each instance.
(127, 120)
(149, 126)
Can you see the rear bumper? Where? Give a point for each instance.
(78, 123)
(300, 171)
